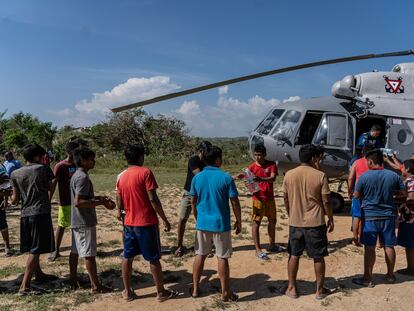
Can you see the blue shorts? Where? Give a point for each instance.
(356, 208)
(142, 240)
(384, 229)
(406, 235)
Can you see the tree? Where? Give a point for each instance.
(23, 128)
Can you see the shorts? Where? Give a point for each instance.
(36, 234)
(142, 240)
(3, 221)
(221, 240)
(84, 241)
(185, 210)
(406, 235)
(356, 208)
(313, 239)
(384, 229)
(64, 216)
(264, 208)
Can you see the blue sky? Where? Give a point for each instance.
(68, 61)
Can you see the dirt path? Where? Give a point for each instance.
(259, 284)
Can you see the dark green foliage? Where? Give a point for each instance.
(22, 128)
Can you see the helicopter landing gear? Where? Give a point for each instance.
(336, 202)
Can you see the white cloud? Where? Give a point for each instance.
(189, 108)
(291, 99)
(133, 90)
(227, 117)
(223, 90)
(87, 112)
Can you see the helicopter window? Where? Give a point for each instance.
(286, 127)
(308, 127)
(405, 136)
(267, 124)
(332, 131)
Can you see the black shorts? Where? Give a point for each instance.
(36, 234)
(3, 221)
(314, 240)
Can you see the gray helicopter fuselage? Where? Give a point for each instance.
(331, 122)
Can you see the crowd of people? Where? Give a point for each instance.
(210, 194)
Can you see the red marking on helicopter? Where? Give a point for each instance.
(394, 86)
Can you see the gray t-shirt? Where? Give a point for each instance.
(80, 184)
(33, 183)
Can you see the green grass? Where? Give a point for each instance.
(104, 179)
(10, 270)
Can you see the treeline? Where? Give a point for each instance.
(167, 140)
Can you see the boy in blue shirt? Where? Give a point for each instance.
(211, 190)
(376, 188)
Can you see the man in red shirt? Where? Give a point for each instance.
(263, 202)
(137, 196)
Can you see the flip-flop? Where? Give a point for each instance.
(390, 279)
(262, 256)
(173, 294)
(361, 282)
(291, 295)
(191, 293)
(234, 298)
(179, 252)
(325, 293)
(30, 291)
(131, 295)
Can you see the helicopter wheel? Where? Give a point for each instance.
(336, 202)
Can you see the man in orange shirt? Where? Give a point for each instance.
(137, 196)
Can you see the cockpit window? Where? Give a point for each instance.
(267, 124)
(285, 129)
(333, 131)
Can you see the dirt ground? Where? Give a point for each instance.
(259, 284)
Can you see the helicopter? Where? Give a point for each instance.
(359, 101)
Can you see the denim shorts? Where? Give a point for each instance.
(384, 229)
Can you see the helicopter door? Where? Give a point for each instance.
(400, 137)
(335, 133)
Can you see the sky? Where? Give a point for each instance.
(68, 62)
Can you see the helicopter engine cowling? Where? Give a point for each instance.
(345, 88)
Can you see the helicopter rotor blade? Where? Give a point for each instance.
(259, 75)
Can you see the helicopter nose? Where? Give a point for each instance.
(254, 141)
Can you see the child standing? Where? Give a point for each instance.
(83, 219)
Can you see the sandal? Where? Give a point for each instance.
(325, 293)
(29, 291)
(172, 294)
(291, 295)
(130, 295)
(191, 289)
(361, 282)
(179, 252)
(262, 256)
(390, 279)
(234, 298)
